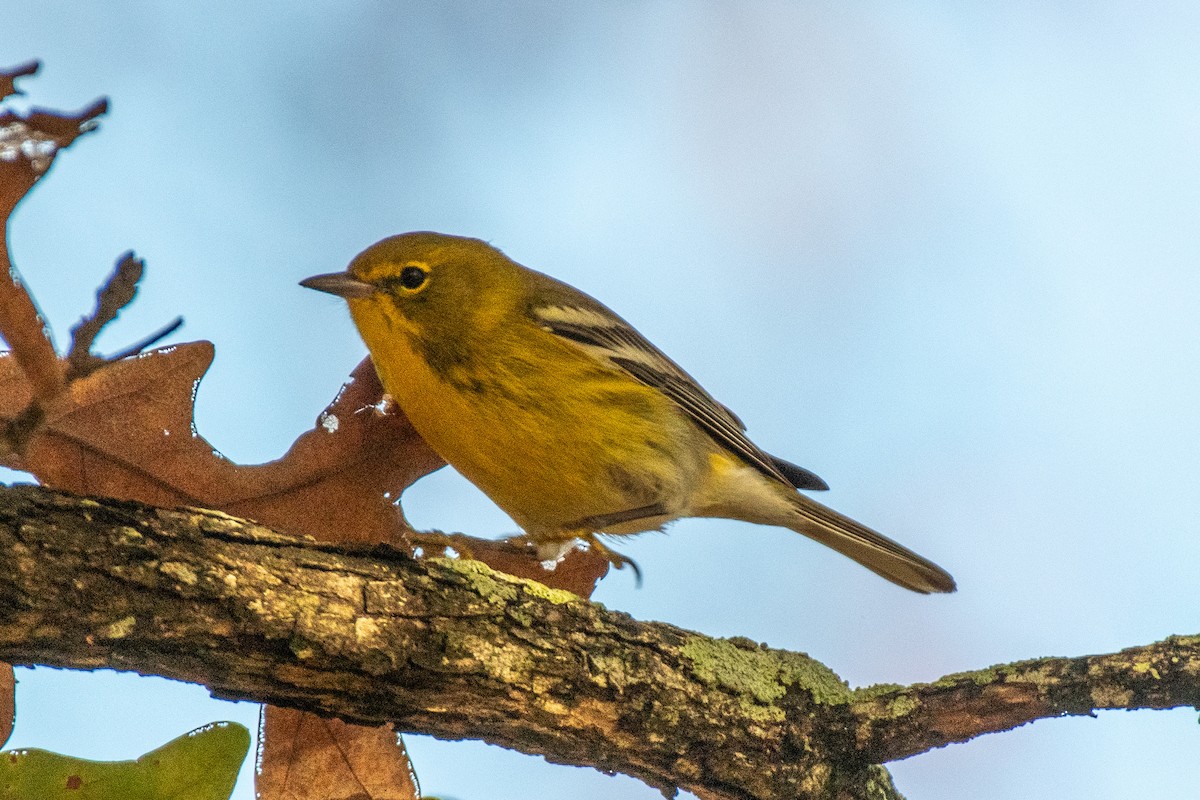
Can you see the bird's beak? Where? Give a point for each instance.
(343, 284)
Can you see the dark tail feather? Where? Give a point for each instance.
(799, 477)
(874, 551)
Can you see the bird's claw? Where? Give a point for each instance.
(617, 560)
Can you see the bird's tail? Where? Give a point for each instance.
(873, 550)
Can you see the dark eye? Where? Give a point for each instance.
(412, 277)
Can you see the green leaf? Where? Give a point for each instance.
(201, 765)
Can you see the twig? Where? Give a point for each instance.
(149, 341)
(115, 293)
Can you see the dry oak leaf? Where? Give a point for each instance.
(29, 143)
(28, 146)
(8, 77)
(126, 432)
(314, 758)
(8, 707)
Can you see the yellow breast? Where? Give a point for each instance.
(550, 434)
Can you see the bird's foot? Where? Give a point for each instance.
(617, 560)
(551, 553)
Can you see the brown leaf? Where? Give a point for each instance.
(306, 757)
(8, 688)
(28, 146)
(126, 431)
(8, 77)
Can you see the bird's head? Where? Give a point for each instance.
(427, 285)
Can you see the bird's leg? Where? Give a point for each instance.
(602, 522)
(551, 552)
(591, 527)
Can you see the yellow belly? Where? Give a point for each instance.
(550, 448)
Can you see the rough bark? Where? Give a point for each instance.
(455, 650)
(897, 722)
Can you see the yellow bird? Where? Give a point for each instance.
(566, 416)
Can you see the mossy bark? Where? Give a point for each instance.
(453, 649)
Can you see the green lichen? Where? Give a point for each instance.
(876, 690)
(899, 705)
(118, 629)
(128, 535)
(301, 648)
(979, 677)
(815, 782)
(760, 676)
(879, 785)
(1108, 696)
(181, 572)
(548, 593)
(1145, 667)
(897, 700)
(486, 582)
(902, 705)
(489, 583)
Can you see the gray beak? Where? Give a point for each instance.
(343, 284)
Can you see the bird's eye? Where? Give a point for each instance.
(412, 277)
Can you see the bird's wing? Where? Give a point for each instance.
(609, 339)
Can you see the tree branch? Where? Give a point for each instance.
(898, 722)
(455, 650)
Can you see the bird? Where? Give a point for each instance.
(567, 417)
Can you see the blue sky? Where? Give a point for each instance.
(944, 256)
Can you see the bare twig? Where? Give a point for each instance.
(148, 342)
(115, 293)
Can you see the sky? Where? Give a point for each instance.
(944, 255)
